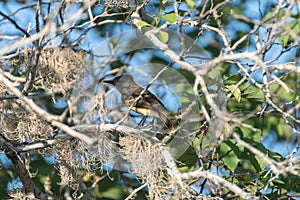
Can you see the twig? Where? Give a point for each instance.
(15, 24)
(220, 181)
(22, 171)
(136, 190)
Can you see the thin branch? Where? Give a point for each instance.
(136, 191)
(15, 24)
(22, 171)
(219, 181)
(277, 168)
(42, 144)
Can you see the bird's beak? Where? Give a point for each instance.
(109, 81)
(114, 81)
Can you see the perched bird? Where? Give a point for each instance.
(147, 105)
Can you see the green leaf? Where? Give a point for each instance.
(184, 169)
(229, 157)
(270, 18)
(214, 74)
(232, 79)
(190, 4)
(196, 144)
(171, 17)
(252, 92)
(142, 23)
(237, 93)
(115, 192)
(253, 135)
(245, 177)
(163, 36)
(184, 99)
(245, 90)
(187, 161)
(285, 38)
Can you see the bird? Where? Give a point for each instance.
(148, 105)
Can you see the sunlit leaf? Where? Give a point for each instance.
(190, 3)
(237, 93)
(171, 17)
(163, 36)
(142, 23)
(269, 17)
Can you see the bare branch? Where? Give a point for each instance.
(219, 181)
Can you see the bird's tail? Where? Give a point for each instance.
(163, 116)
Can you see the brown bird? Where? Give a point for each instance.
(147, 105)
